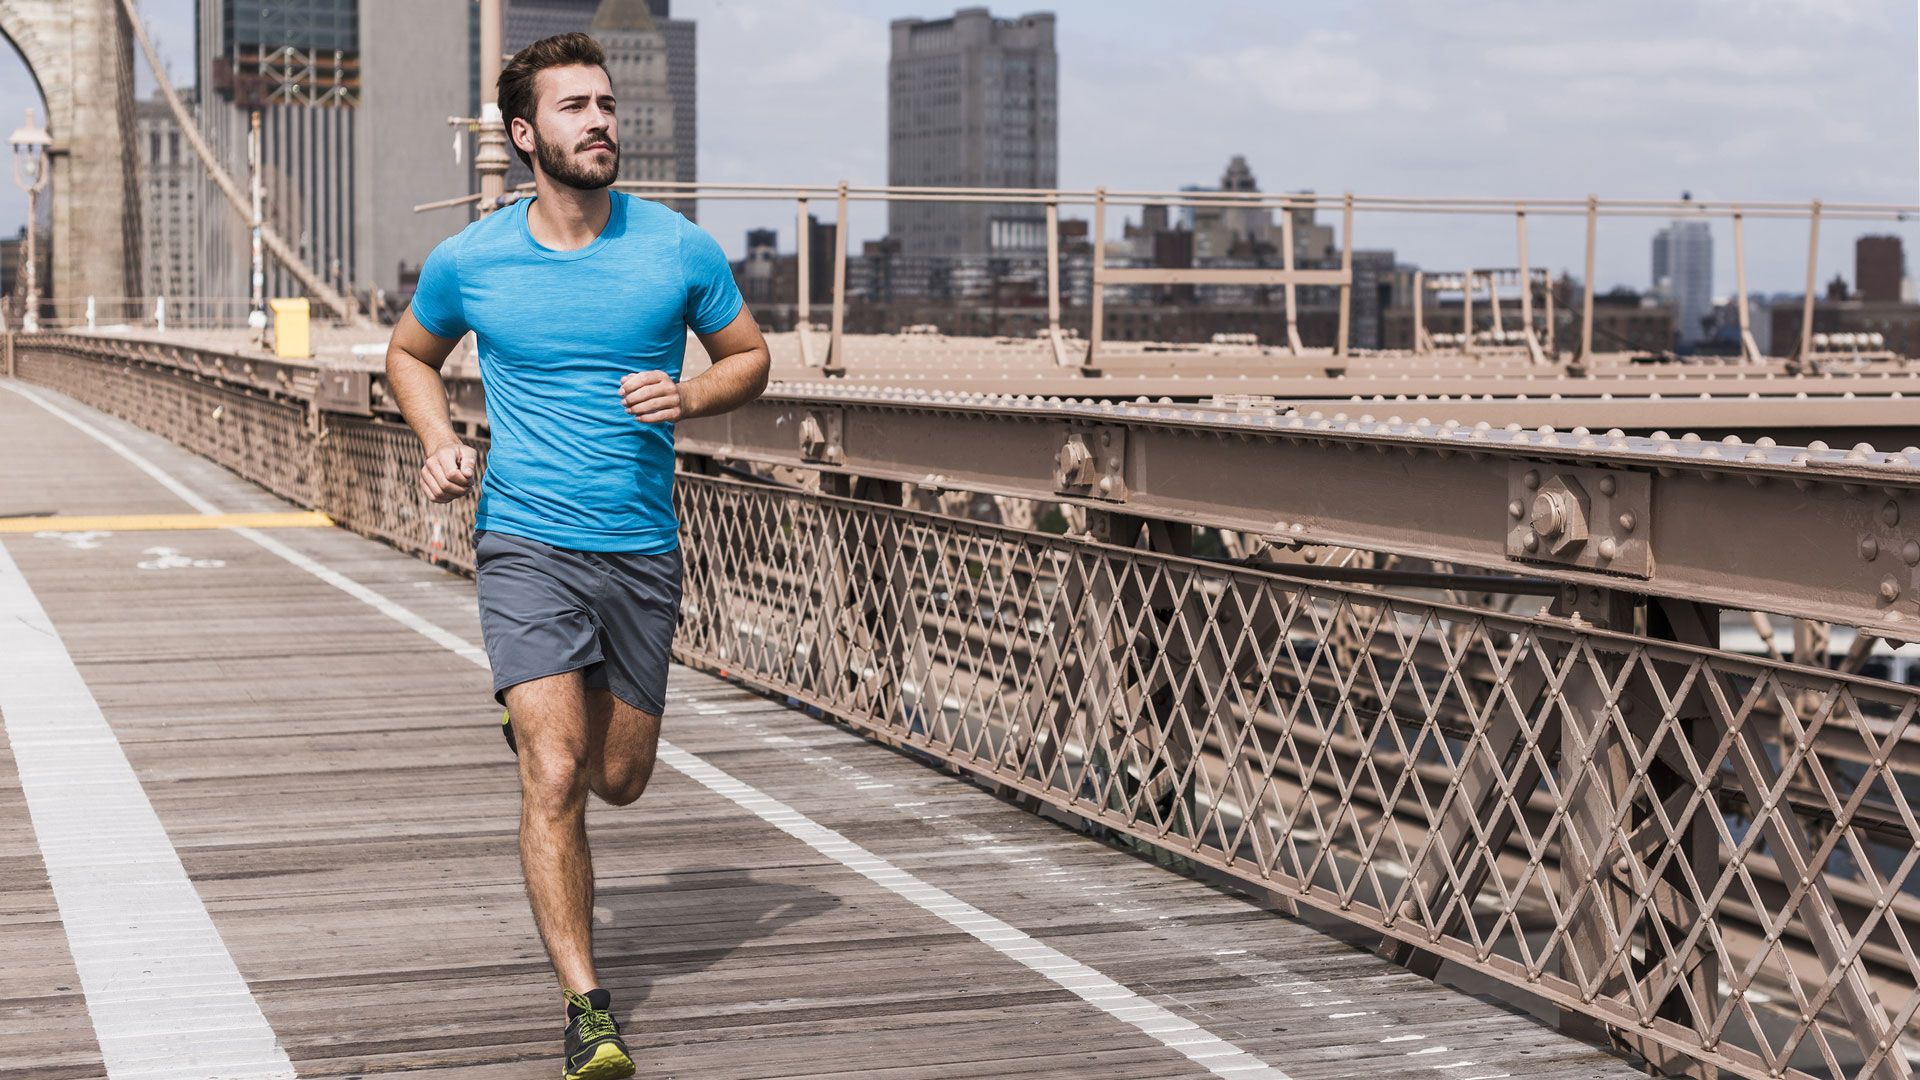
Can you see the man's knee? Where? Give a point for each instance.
(624, 782)
(553, 776)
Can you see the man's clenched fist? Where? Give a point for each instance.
(449, 472)
(652, 397)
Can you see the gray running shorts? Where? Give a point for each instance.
(546, 610)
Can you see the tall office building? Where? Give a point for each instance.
(353, 134)
(170, 182)
(404, 155)
(1879, 268)
(637, 67)
(527, 21)
(1683, 273)
(298, 65)
(972, 101)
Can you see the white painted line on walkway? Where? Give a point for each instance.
(1202, 1047)
(1198, 1045)
(164, 994)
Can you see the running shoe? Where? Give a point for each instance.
(594, 1049)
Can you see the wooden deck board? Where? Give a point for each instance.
(338, 792)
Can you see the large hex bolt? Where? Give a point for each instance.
(1560, 515)
(813, 439)
(1073, 467)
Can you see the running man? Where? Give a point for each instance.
(580, 299)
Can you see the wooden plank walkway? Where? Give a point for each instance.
(338, 794)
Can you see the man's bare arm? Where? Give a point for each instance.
(738, 375)
(414, 359)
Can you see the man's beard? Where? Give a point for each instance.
(577, 172)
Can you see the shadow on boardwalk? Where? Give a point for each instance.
(690, 921)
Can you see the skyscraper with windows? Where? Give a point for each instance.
(170, 178)
(527, 21)
(1683, 274)
(354, 133)
(972, 101)
(298, 65)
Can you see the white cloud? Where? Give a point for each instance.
(1641, 56)
(1320, 74)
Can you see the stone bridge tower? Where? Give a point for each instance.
(81, 54)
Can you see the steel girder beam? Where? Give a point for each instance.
(1824, 534)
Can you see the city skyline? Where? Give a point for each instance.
(1751, 99)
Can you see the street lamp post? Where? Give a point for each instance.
(30, 143)
(490, 158)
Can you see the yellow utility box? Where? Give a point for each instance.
(290, 328)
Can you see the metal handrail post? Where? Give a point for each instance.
(1813, 261)
(1420, 346)
(1586, 299)
(1749, 349)
(1053, 279)
(836, 345)
(1346, 268)
(803, 274)
(1286, 263)
(1096, 331)
(1466, 313)
(1526, 288)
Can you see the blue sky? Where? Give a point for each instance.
(1749, 99)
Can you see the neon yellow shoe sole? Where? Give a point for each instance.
(608, 1062)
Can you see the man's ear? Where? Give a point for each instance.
(521, 132)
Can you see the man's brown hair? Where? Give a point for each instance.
(517, 92)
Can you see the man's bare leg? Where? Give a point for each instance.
(550, 722)
(621, 743)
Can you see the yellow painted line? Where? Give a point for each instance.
(305, 519)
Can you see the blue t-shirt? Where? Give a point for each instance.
(557, 331)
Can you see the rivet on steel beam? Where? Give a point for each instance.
(1869, 548)
(1532, 541)
(1818, 446)
(1532, 480)
(1608, 485)
(1890, 513)
(1626, 521)
(1516, 509)
(1608, 547)
(1889, 589)
(1910, 552)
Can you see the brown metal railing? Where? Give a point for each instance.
(1710, 855)
(1287, 276)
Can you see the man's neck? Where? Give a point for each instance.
(567, 218)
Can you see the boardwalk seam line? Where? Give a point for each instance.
(1212, 1053)
(111, 890)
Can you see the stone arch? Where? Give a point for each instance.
(80, 55)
